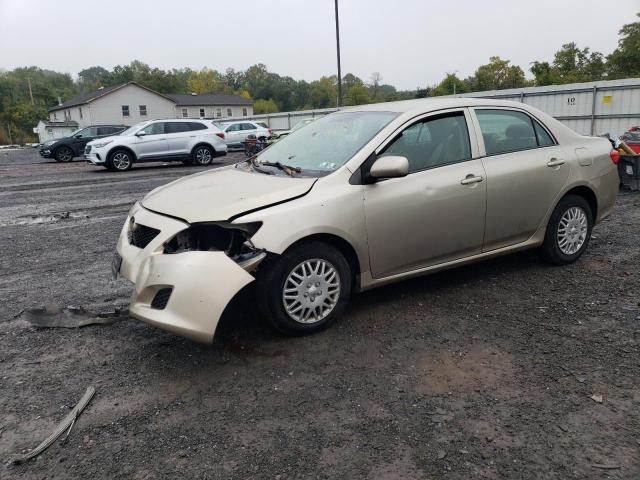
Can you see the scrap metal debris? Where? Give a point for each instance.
(65, 425)
(53, 316)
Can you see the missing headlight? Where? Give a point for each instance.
(233, 239)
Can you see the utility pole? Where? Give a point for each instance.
(30, 91)
(339, 99)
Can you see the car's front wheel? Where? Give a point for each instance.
(568, 231)
(64, 154)
(202, 155)
(120, 161)
(305, 289)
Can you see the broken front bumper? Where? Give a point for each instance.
(199, 285)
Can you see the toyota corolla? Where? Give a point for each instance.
(358, 199)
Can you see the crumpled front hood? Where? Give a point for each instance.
(220, 194)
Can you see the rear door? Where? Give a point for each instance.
(153, 143)
(179, 136)
(526, 171)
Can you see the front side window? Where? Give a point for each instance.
(125, 110)
(510, 131)
(143, 110)
(329, 142)
(235, 127)
(433, 142)
(185, 113)
(87, 132)
(154, 129)
(202, 112)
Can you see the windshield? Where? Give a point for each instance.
(132, 129)
(328, 143)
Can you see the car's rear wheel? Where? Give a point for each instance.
(568, 231)
(305, 289)
(202, 155)
(64, 154)
(120, 161)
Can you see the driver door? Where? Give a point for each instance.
(82, 138)
(153, 143)
(436, 213)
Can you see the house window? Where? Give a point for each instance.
(218, 112)
(185, 113)
(202, 113)
(244, 111)
(143, 110)
(54, 116)
(125, 110)
(229, 114)
(80, 111)
(67, 114)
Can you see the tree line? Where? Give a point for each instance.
(27, 92)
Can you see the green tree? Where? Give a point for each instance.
(357, 95)
(265, 106)
(323, 92)
(450, 85)
(624, 61)
(498, 74)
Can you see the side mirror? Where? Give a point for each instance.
(141, 133)
(392, 166)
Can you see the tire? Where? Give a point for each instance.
(120, 160)
(320, 297)
(572, 215)
(64, 155)
(202, 155)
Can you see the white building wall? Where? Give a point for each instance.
(108, 109)
(212, 112)
(51, 133)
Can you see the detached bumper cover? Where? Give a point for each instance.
(202, 283)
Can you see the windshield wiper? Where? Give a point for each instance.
(288, 169)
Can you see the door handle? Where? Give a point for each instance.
(471, 179)
(555, 162)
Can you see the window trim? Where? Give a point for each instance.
(532, 119)
(185, 112)
(146, 113)
(128, 111)
(202, 113)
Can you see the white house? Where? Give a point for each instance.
(131, 103)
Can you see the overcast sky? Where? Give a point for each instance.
(410, 42)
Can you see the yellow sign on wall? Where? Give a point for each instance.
(607, 99)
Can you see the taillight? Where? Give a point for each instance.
(615, 156)
(270, 131)
(220, 134)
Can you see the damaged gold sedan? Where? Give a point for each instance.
(358, 199)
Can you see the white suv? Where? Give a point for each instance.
(186, 140)
(237, 132)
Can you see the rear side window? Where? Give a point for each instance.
(433, 142)
(510, 131)
(197, 126)
(177, 127)
(544, 139)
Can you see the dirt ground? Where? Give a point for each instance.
(486, 371)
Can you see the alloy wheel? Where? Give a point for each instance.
(203, 156)
(311, 291)
(572, 230)
(64, 155)
(121, 161)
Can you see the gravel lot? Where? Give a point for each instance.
(483, 371)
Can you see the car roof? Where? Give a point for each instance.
(431, 104)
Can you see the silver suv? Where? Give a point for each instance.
(189, 141)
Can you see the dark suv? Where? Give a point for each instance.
(64, 149)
